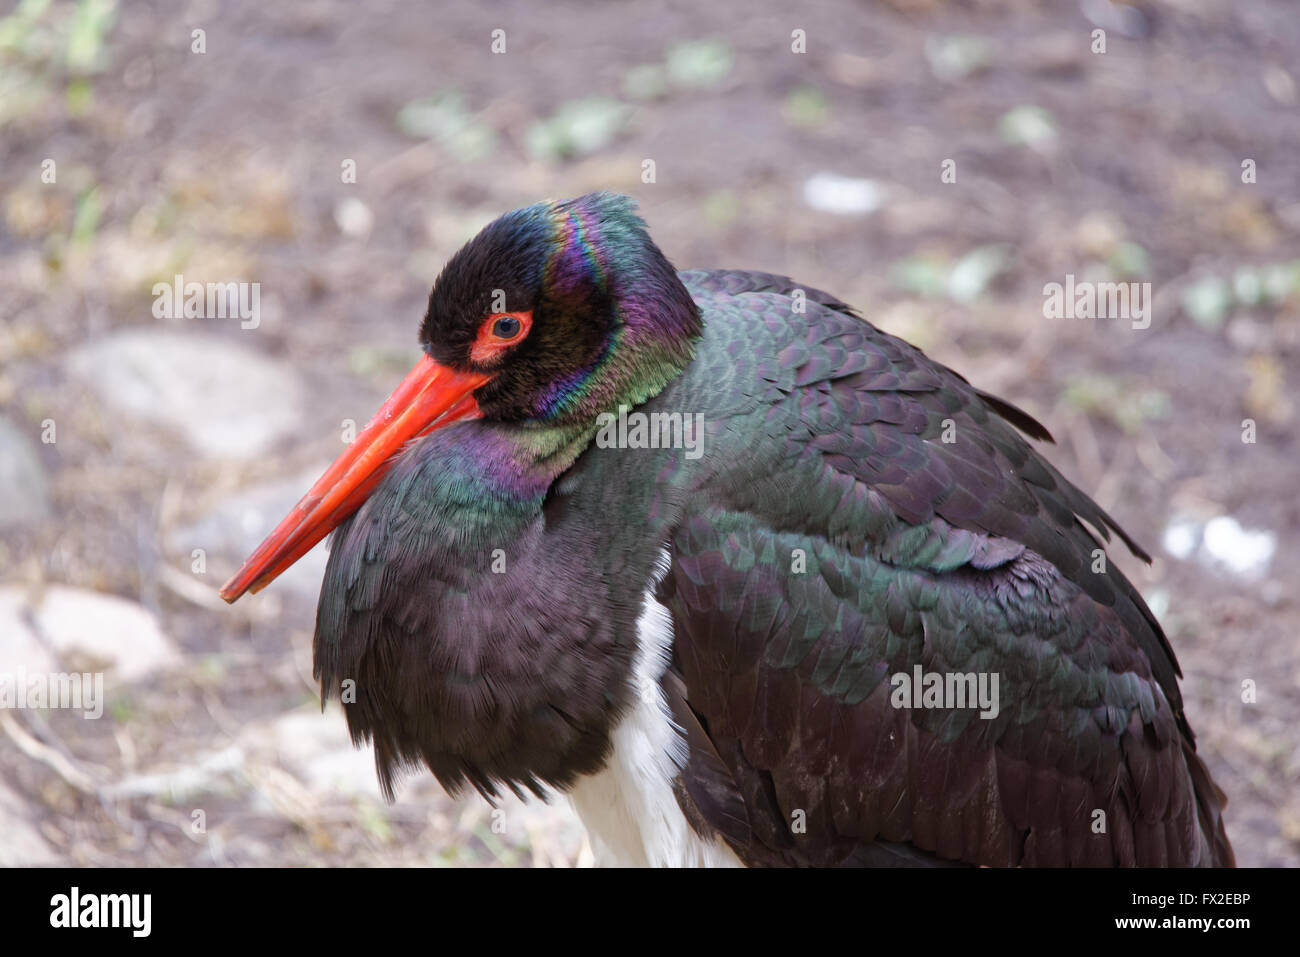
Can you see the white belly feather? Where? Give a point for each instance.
(629, 808)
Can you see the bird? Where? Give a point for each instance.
(749, 580)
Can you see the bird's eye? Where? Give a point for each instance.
(499, 333)
(507, 327)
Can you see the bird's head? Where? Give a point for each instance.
(566, 308)
(551, 315)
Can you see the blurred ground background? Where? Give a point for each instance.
(142, 458)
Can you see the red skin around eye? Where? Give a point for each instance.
(487, 346)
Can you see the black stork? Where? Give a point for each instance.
(725, 563)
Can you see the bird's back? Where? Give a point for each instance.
(860, 513)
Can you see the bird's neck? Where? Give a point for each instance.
(482, 480)
(519, 461)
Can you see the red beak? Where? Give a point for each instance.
(430, 397)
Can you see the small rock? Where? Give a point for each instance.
(1244, 552)
(25, 501)
(1221, 543)
(19, 646)
(842, 195)
(226, 400)
(353, 218)
(47, 630)
(1280, 85)
(1181, 538)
